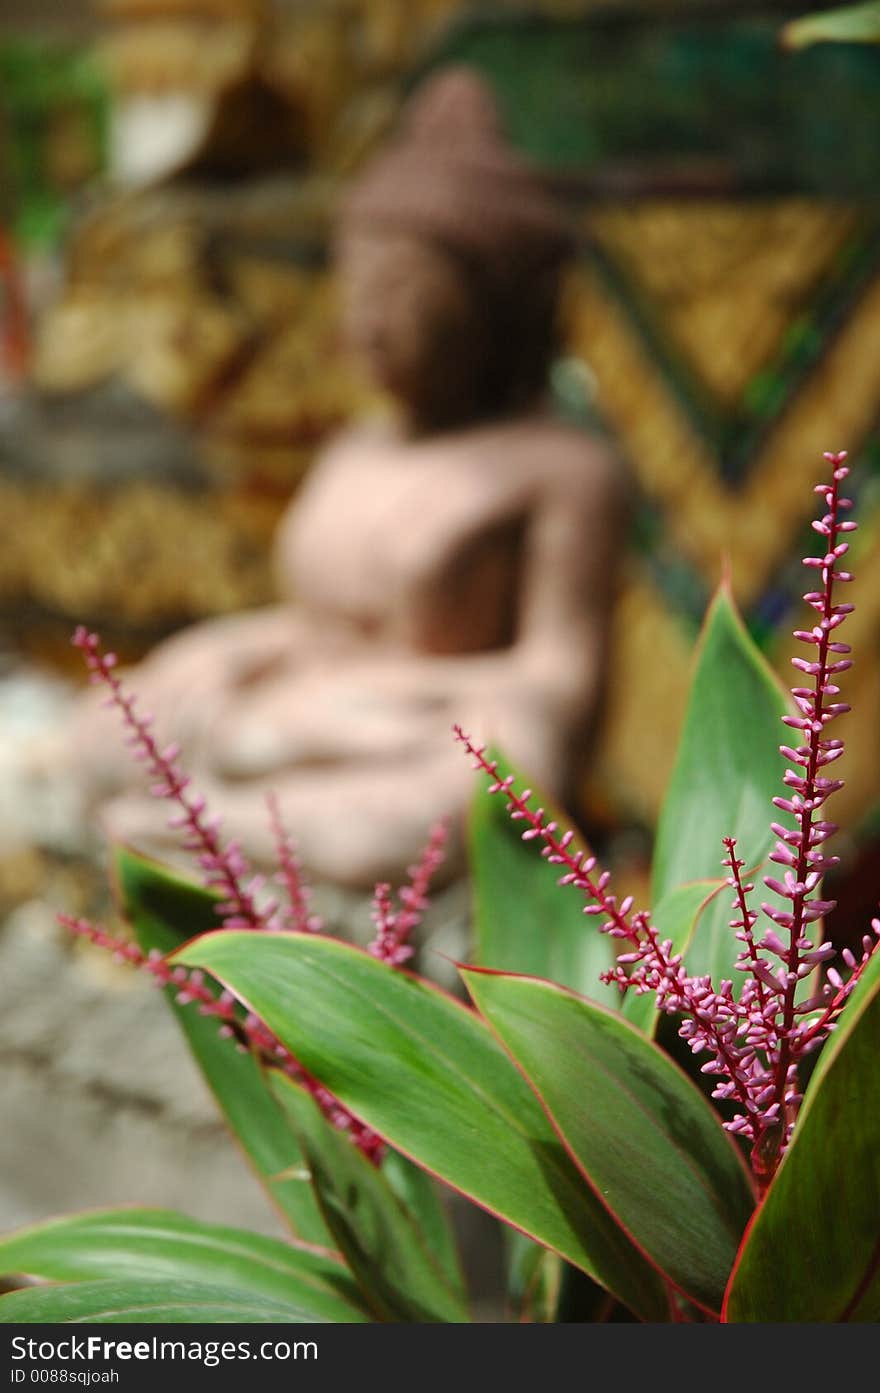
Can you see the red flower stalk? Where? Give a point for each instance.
(247, 1030)
(394, 926)
(801, 850)
(755, 1041)
(782, 1027)
(224, 864)
(227, 871)
(298, 916)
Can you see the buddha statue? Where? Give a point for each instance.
(451, 562)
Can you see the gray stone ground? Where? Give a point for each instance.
(100, 1101)
(101, 1104)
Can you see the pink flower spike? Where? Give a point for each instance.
(796, 847)
(299, 916)
(394, 926)
(226, 866)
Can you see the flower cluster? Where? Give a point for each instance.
(226, 872)
(755, 1039)
(224, 865)
(394, 926)
(646, 962)
(297, 916)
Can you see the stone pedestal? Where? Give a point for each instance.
(102, 1104)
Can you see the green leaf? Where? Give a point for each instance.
(851, 25)
(544, 1290)
(143, 1303)
(676, 916)
(418, 1192)
(534, 1280)
(643, 1135)
(155, 1245)
(426, 1074)
(813, 1251)
(373, 1230)
(165, 911)
(726, 772)
(523, 920)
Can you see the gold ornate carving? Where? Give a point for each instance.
(725, 280)
(837, 402)
(680, 260)
(144, 555)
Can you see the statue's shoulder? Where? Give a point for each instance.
(348, 460)
(350, 444)
(584, 464)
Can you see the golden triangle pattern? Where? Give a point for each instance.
(703, 518)
(677, 469)
(724, 280)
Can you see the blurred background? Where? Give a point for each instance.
(169, 366)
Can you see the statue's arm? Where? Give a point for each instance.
(570, 577)
(539, 700)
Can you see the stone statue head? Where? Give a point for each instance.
(450, 254)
